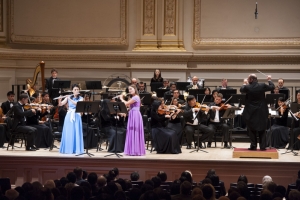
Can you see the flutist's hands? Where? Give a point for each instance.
(269, 77)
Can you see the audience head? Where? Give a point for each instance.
(162, 175)
(77, 193)
(63, 181)
(280, 189)
(266, 179)
(135, 194)
(185, 188)
(134, 176)
(71, 176)
(208, 191)
(101, 181)
(78, 172)
(92, 178)
(11, 194)
(49, 184)
(187, 175)
(243, 178)
(84, 174)
(157, 181)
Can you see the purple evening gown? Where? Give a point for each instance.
(135, 143)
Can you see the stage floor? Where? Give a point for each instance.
(213, 154)
(20, 165)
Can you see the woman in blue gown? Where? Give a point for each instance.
(72, 136)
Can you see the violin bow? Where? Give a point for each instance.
(226, 101)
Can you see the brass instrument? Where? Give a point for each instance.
(40, 68)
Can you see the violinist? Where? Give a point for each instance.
(278, 134)
(216, 111)
(192, 115)
(165, 139)
(19, 124)
(175, 120)
(176, 96)
(44, 137)
(295, 144)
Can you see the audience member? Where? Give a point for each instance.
(134, 176)
(163, 176)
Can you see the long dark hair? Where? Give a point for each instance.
(154, 75)
(73, 86)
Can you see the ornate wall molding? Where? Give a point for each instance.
(64, 55)
(122, 40)
(199, 42)
(1, 16)
(170, 17)
(149, 17)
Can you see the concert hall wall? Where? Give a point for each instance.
(212, 39)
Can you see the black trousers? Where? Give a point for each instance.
(207, 133)
(223, 126)
(253, 138)
(30, 133)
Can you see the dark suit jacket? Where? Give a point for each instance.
(49, 85)
(188, 114)
(212, 113)
(5, 107)
(190, 86)
(256, 110)
(19, 115)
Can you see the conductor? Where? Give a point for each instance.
(256, 110)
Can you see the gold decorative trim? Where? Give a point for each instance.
(1, 15)
(122, 40)
(170, 17)
(219, 42)
(149, 17)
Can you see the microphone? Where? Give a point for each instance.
(256, 13)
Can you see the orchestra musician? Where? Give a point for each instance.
(295, 136)
(224, 85)
(280, 84)
(108, 123)
(53, 92)
(207, 91)
(19, 123)
(142, 88)
(156, 77)
(194, 85)
(7, 105)
(165, 84)
(216, 110)
(276, 90)
(165, 139)
(175, 120)
(256, 110)
(172, 89)
(278, 134)
(44, 137)
(191, 119)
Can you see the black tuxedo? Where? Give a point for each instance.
(218, 125)
(142, 92)
(5, 107)
(191, 86)
(256, 111)
(49, 85)
(19, 124)
(190, 129)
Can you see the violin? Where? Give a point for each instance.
(223, 106)
(1, 116)
(31, 106)
(163, 110)
(202, 107)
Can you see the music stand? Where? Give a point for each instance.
(227, 93)
(161, 92)
(92, 85)
(230, 115)
(114, 109)
(170, 96)
(195, 92)
(146, 98)
(273, 98)
(182, 85)
(156, 85)
(286, 93)
(208, 98)
(87, 107)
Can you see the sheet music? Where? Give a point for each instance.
(239, 112)
(273, 112)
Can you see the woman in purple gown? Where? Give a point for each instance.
(135, 143)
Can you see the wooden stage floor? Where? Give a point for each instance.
(21, 165)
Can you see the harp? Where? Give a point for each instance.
(39, 69)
